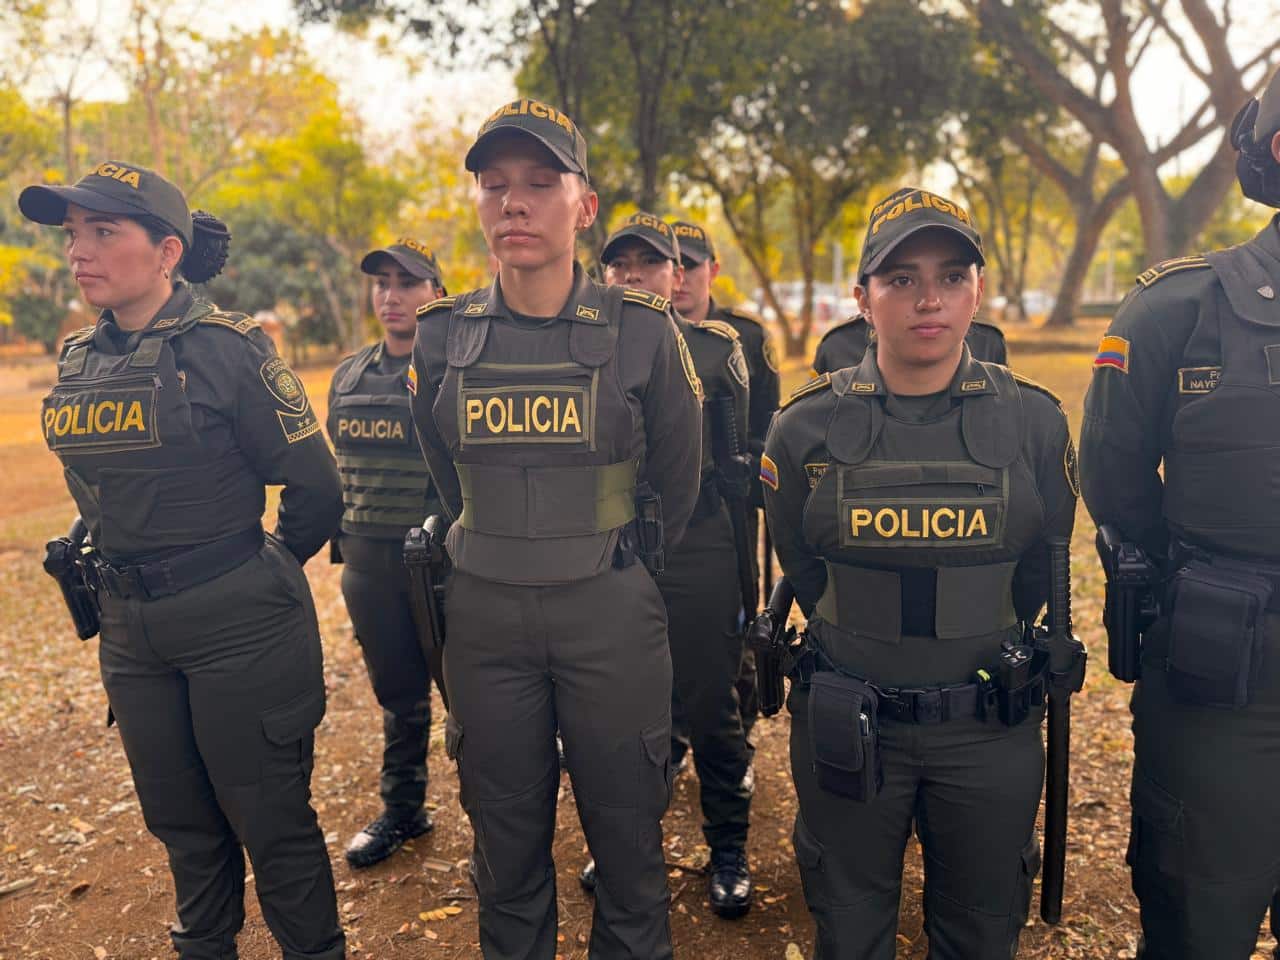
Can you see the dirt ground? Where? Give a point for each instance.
(81, 878)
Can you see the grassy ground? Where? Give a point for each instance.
(91, 883)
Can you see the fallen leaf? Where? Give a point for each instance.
(100, 953)
(80, 889)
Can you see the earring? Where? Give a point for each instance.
(165, 271)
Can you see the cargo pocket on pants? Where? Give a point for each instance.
(809, 860)
(1028, 870)
(1157, 847)
(453, 750)
(288, 729)
(655, 780)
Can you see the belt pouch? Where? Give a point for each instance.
(844, 735)
(1216, 634)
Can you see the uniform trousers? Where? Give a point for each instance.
(217, 691)
(589, 658)
(1204, 844)
(375, 586)
(971, 789)
(700, 589)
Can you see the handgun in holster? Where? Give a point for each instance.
(643, 535)
(1132, 602)
(66, 559)
(428, 564)
(772, 640)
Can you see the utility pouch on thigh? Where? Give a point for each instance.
(1216, 634)
(844, 735)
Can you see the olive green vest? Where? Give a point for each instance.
(386, 487)
(1222, 460)
(122, 427)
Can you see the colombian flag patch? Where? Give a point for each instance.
(768, 472)
(1113, 352)
(411, 379)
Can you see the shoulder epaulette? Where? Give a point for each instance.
(1039, 387)
(720, 327)
(815, 385)
(439, 304)
(741, 315)
(79, 336)
(1167, 268)
(239, 322)
(645, 298)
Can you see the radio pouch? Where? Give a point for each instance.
(844, 735)
(1216, 633)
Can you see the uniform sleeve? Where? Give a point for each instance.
(1120, 439)
(279, 432)
(765, 392)
(785, 495)
(742, 400)
(1054, 462)
(425, 375)
(673, 433)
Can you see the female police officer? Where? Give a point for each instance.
(1187, 376)
(386, 490)
(909, 499)
(542, 401)
(170, 417)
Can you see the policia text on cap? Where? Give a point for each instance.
(210, 651)
(547, 407)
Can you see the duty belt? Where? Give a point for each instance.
(925, 705)
(163, 578)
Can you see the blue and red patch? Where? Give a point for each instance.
(1113, 352)
(768, 472)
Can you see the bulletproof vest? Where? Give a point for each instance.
(1222, 457)
(386, 487)
(122, 427)
(540, 433)
(921, 525)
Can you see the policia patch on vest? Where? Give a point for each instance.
(919, 522)
(297, 419)
(526, 414)
(394, 428)
(113, 418)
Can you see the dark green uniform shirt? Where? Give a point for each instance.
(845, 344)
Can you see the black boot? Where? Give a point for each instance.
(385, 836)
(588, 877)
(729, 888)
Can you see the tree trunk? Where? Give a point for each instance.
(1091, 219)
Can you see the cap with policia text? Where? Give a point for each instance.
(533, 118)
(906, 212)
(112, 187)
(695, 245)
(643, 226)
(414, 258)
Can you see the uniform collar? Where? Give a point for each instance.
(583, 306)
(971, 378)
(864, 380)
(108, 333)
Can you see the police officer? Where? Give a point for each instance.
(387, 489)
(694, 302)
(1185, 378)
(910, 498)
(552, 411)
(170, 417)
(700, 585)
(845, 344)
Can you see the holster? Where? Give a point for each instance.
(427, 563)
(1217, 628)
(65, 560)
(642, 538)
(844, 735)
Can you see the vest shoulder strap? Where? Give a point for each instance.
(816, 385)
(359, 362)
(468, 327)
(1167, 268)
(78, 336)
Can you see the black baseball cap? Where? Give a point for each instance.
(533, 118)
(116, 188)
(654, 231)
(413, 257)
(906, 212)
(695, 245)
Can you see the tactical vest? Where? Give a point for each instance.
(921, 525)
(386, 487)
(1222, 460)
(541, 435)
(122, 427)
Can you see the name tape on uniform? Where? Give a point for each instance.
(525, 415)
(112, 418)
